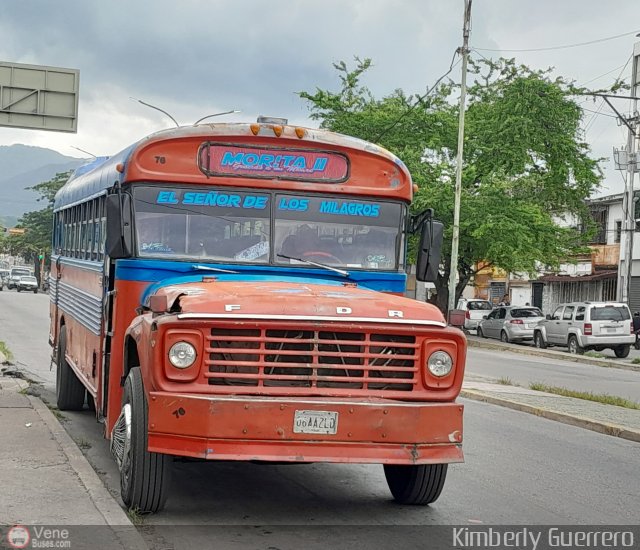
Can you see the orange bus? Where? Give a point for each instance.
(235, 292)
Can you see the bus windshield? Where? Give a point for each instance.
(261, 228)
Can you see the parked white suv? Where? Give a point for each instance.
(474, 311)
(585, 326)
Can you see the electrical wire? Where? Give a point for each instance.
(623, 67)
(558, 47)
(593, 117)
(419, 99)
(598, 113)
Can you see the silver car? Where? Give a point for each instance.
(583, 326)
(510, 323)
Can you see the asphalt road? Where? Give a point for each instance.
(520, 469)
(24, 327)
(524, 369)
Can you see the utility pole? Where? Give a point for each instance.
(628, 203)
(453, 273)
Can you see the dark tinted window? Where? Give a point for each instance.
(520, 313)
(580, 314)
(610, 313)
(476, 306)
(502, 313)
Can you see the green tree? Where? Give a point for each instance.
(37, 225)
(525, 161)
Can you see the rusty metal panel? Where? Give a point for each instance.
(39, 97)
(263, 428)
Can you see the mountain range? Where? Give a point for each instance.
(23, 166)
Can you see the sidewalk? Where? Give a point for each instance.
(45, 479)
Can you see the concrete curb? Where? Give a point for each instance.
(13, 384)
(476, 343)
(578, 421)
(104, 502)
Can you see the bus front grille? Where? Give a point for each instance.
(312, 359)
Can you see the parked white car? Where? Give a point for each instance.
(475, 310)
(582, 326)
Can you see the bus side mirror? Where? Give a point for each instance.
(429, 251)
(119, 229)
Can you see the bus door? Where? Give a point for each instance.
(54, 291)
(108, 299)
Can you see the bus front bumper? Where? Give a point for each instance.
(262, 429)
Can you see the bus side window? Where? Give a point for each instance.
(103, 227)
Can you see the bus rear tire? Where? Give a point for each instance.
(69, 390)
(420, 484)
(144, 476)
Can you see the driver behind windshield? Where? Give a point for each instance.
(306, 243)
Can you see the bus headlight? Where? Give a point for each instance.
(440, 363)
(182, 355)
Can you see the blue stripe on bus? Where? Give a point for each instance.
(170, 272)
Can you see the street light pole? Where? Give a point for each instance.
(453, 272)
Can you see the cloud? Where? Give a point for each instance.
(197, 57)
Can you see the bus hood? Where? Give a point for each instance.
(217, 299)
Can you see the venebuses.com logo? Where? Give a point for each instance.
(18, 536)
(36, 536)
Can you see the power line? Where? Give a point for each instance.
(558, 47)
(419, 99)
(593, 118)
(598, 113)
(623, 67)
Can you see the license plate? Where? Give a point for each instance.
(612, 330)
(315, 422)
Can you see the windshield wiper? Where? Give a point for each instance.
(207, 268)
(309, 262)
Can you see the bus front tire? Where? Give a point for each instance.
(420, 484)
(144, 476)
(69, 390)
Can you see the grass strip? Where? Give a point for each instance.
(6, 351)
(604, 398)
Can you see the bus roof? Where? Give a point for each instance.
(176, 156)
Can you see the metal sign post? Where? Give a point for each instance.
(38, 97)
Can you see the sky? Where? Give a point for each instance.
(197, 57)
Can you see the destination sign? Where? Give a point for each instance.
(264, 162)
